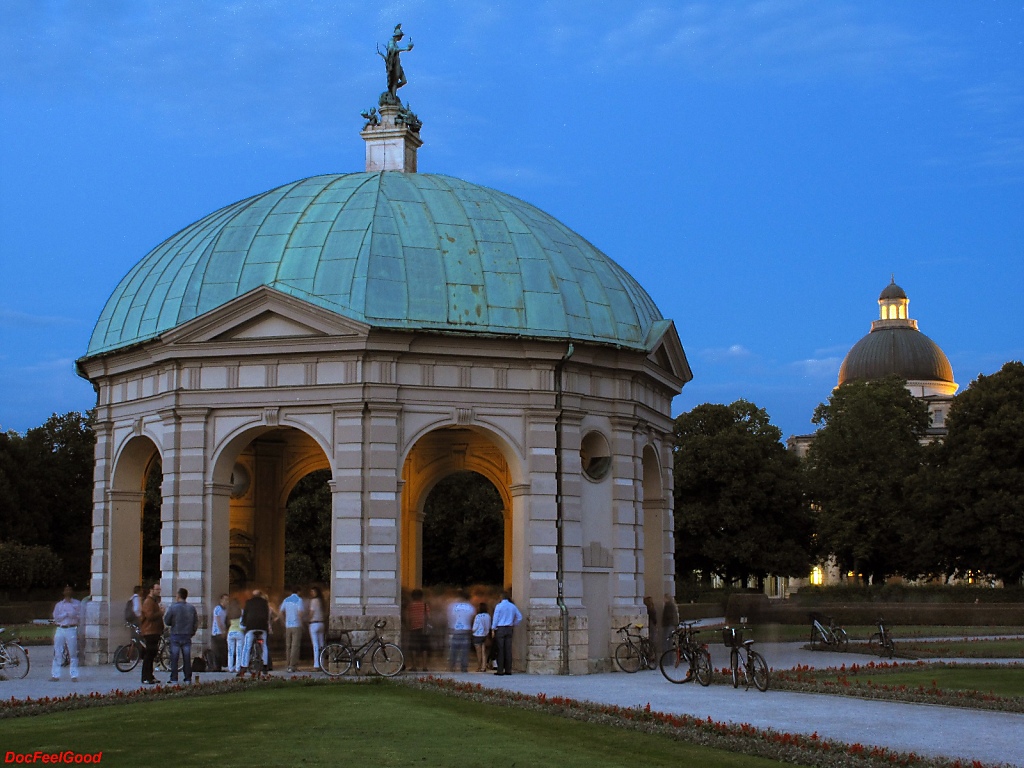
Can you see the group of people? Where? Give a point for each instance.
(467, 625)
(234, 628)
(659, 631)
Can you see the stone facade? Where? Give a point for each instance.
(242, 402)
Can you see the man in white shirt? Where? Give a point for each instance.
(505, 617)
(293, 610)
(67, 615)
(460, 622)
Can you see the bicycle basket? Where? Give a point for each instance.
(732, 637)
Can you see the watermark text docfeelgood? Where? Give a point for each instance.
(66, 757)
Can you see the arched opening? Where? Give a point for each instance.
(133, 536)
(463, 533)
(657, 576)
(439, 455)
(256, 477)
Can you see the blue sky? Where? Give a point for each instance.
(760, 167)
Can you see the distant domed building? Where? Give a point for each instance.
(393, 328)
(896, 347)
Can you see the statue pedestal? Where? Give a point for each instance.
(391, 145)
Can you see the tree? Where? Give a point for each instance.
(739, 507)
(463, 532)
(857, 467)
(307, 540)
(979, 471)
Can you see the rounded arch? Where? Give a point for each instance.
(437, 453)
(513, 456)
(658, 561)
(132, 462)
(247, 526)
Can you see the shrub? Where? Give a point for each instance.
(23, 568)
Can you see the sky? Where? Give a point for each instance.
(762, 168)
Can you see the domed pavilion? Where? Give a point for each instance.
(392, 327)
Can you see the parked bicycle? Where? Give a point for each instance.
(686, 659)
(829, 634)
(745, 663)
(881, 643)
(336, 659)
(635, 652)
(127, 657)
(13, 658)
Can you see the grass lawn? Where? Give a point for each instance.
(358, 724)
(968, 649)
(999, 681)
(767, 633)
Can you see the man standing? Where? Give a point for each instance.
(293, 610)
(460, 620)
(506, 616)
(183, 621)
(152, 629)
(67, 615)
(669, 619)
(255, 618)
(219, 634)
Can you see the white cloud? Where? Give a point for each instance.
(10, 318)
(826, 367)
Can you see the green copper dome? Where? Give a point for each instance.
(393, 250)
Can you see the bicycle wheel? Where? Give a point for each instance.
(628, 657)
(875, 644)
(702, 667)
(17, 661)
(647, 651)
(335, 659)
(256, 660)
(163, 656)
(889, 647)
(759, 671)
(842, 639)
(675, 666)
(126, 657)
(387, 660)
(734, 667)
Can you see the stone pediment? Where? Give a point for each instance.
(265, 314)
(667, 351)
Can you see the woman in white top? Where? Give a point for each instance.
(481, 629)
(317, 627)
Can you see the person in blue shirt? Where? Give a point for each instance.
(506, 617)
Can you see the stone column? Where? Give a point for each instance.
(347, 503)
(183, 517)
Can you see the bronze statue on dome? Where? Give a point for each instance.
(393, 65)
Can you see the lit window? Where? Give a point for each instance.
(817, 577)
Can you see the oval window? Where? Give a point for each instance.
(595, 456)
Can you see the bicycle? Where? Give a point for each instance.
(336, 659)
(881, 643)
(14, 661)
(635, 651)
(686, 653)
(255, 665)
(752, 668)
(127, 657)
(829, 635)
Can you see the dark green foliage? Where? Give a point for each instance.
(151, 525)
(307, 557)
(972, 491)
(739, 507)
(463, 532)
(857, 468)
(46, 490)
(23, 568)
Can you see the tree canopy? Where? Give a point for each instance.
(857, 467)
(739, 508)
(974, 483)
(463, 532)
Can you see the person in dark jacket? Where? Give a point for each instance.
(183, 621)
(255, 618)
(152, 629)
